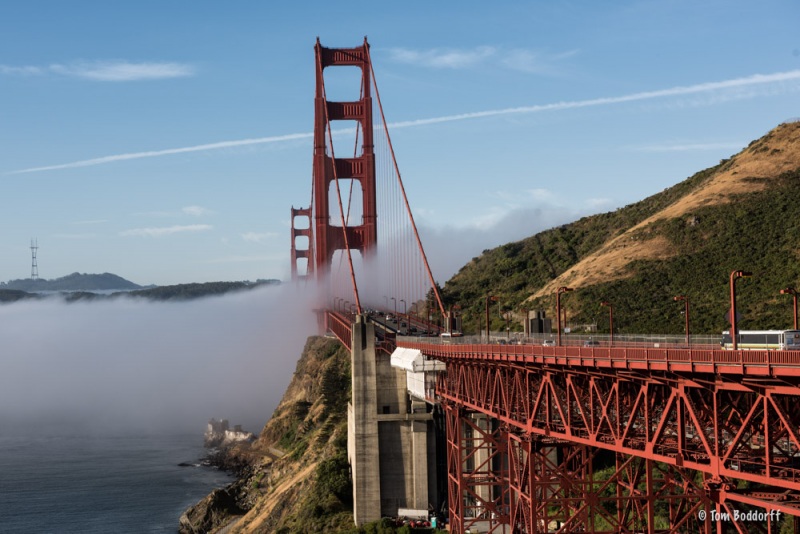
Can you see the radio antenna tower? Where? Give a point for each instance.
(34, 265)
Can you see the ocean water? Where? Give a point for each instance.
(99, 483)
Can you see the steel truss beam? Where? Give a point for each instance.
(551, 486)
(681, 446)
(477, 477)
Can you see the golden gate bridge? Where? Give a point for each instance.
(543, 438)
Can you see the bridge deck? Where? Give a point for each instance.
(766, 363)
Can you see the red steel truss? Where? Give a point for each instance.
(328, 168)
(340, 325)
(570, 439)
(307, 253)
(501, 481)
(688, 443)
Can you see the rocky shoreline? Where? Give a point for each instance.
(223, 504)
(294, 477)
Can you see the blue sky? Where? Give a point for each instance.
(166, 141)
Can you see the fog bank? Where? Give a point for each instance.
(449, 247)
(149, 366)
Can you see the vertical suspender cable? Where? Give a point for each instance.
(403, 191)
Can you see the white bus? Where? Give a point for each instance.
(762, 340)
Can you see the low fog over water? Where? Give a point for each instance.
(139, 365)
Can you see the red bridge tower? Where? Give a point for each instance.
(328, 169)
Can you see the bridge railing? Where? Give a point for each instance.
(761, 362)
(340, 325)
(578, 340)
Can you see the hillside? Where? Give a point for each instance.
(173, 292)
(196, 290)
(296, 478)
(74, 282)
(740, 214)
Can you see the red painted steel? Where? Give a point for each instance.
(681, 444)
(340, 324)
(479, 491)
(405, 197)
(328, 169)
(329, 232)
(307, 253)
(692, 434)
(702, 426)
(753, 363)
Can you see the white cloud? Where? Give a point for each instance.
(450, 247)
(596, 203)
(764, 80)
(541, 195)
(255, 237)
(168, 230)
(106, 71)
(443, 58)
(196, 211)
(21, 71)
(520, 59)
(168, 152)
(758, 84)
(533, 61)
(489, 219)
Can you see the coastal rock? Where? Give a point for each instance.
(294, 478)
(214, 510)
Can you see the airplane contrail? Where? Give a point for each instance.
(708, 87)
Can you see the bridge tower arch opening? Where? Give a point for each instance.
(332, 229)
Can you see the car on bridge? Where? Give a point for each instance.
(446, 336)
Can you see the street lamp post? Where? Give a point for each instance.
(526, 324)
(451, 317)
(685, 300)
(791, 291)
(562, 289)
(394, 301)
(404, 306)
(488, 298)
(734, 276)
(610, 321)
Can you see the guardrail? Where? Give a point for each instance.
(699, 360)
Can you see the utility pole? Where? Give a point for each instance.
(34, 265)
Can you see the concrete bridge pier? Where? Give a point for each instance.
(362, 425)
(390, 436)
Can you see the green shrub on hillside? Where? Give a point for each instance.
(758, 231)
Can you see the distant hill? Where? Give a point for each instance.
(190, 291)
(81, 287)
(13, 295)
(686, 240)
(74, 282)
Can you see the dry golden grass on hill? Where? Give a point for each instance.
(776, 153)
